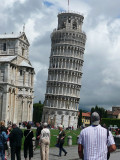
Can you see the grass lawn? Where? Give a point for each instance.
(54, 133)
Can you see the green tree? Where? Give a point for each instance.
(102, 112)
(92, 110)
(80, 118)
(37, 111)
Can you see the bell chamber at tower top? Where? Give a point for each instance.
(69, 32)
(70, 21)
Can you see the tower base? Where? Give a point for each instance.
(54, 117)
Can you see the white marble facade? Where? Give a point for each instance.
(16, 79)
(65, 71)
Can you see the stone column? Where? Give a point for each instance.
(62, 119)
(65, 63)
(57, 103)
(11, 113)
(48, 118)
(69, 121)
(6, 74)
(15, 113)
(62, 63)
(62, 89)
(22, 116)
(5, 104)
(28, 110)
(55, 124)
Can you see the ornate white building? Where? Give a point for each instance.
(16, 79)
(65, 71)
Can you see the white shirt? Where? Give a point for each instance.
(95, 142)
(45, 133)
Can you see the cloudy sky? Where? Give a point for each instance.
(101, 70)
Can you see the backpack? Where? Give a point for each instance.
(1, 141)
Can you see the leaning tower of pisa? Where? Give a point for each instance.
(65, 71)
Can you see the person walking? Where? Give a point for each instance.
(38, 132)
(15, 142)
(28, 142)
(61, 140)
(95, 140)
(3, 140)
(44, 142)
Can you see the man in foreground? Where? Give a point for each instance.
(94, 141)
(15, 142)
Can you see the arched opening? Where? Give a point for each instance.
(9, 104)
(74, 25)
(63, 25)
(1, 102)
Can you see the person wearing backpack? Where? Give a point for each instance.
(3, 140)
(28, 144)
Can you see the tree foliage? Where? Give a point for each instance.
(80, 118)
(110, 121)
(37, 111)
(101, 111)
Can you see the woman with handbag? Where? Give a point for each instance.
(28, 145)
(61, 138)
(44, 142)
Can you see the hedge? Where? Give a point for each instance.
(110, 121)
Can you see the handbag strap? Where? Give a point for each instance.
(107, 134)
(28, 134)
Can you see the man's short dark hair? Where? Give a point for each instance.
(14, 125)
(28, 126)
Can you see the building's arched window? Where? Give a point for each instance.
(23, 51)
(4, 46)
(74, 25)
(21, 72)
(69, 20)
(63, 25)
(1, 102)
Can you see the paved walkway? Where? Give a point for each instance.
(72, 154)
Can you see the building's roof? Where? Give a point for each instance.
(89, 113)
(109, 112)
(25, 64)
(85, 115)
(115, 113)
(7, 58)
(12, 35)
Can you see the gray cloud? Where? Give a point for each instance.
(40, 85)
(41, 49)
(101, 75)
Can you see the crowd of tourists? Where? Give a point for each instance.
(117, 132)
(95, 141)
(11, 141)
